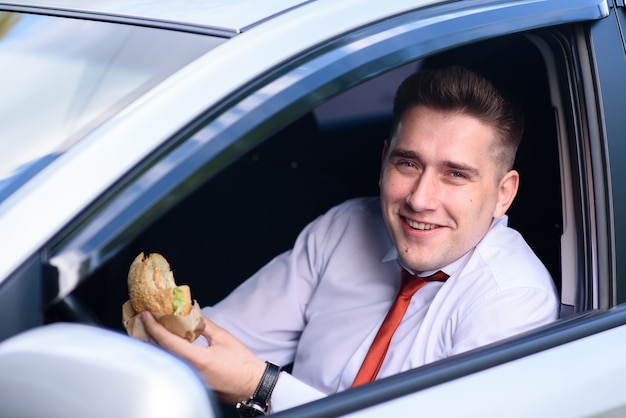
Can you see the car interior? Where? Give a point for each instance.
(253, 210)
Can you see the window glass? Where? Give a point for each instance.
(62, 77)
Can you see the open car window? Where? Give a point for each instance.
(292, 173)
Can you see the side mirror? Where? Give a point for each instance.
(74, 370)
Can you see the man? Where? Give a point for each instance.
(446, 183)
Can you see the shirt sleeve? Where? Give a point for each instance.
(270, 312)
(291, 392)
(267, 312)
(503, 314)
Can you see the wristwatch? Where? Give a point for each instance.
(259, 403)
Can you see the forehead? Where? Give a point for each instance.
(423, 126)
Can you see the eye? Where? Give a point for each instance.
(406, 166)
(458, 175)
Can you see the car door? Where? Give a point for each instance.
(137, 211)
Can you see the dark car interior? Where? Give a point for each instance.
(253, 210)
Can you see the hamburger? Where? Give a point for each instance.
(151, 287)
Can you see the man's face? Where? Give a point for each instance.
(441, 186)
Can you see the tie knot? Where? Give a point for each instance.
(411, 283)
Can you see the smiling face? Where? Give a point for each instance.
(441, 186)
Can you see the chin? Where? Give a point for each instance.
(415, 265)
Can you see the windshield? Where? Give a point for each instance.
(61, 77)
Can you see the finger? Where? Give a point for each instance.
(161, 335)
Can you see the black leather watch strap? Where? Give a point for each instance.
(263, 392)
(259, 403)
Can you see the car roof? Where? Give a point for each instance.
(215, 14)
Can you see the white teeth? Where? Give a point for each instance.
(420, 225)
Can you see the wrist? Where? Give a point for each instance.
(259, 403)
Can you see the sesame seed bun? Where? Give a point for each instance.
(151, 286)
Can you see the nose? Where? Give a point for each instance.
(423, 193)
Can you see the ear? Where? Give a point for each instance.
(507, 190)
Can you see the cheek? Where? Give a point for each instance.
(478, 206)
(393, 192)
(395, 183)
(388, 185)
(467, 203)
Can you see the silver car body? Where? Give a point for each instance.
(545, 383)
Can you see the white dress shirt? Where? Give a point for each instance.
(321, 304)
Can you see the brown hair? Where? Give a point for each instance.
(458, 89)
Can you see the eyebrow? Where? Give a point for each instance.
(455, 165)
(398, 152)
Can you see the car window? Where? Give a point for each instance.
(309, 161)
(56, 88)
(290, 182)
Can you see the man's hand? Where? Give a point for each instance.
(230, 369)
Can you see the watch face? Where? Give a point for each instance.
(246, 411)
(249, 410)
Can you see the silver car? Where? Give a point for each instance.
(212, 132)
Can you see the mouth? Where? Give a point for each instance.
(421, 226)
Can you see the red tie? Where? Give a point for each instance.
(378, 350)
